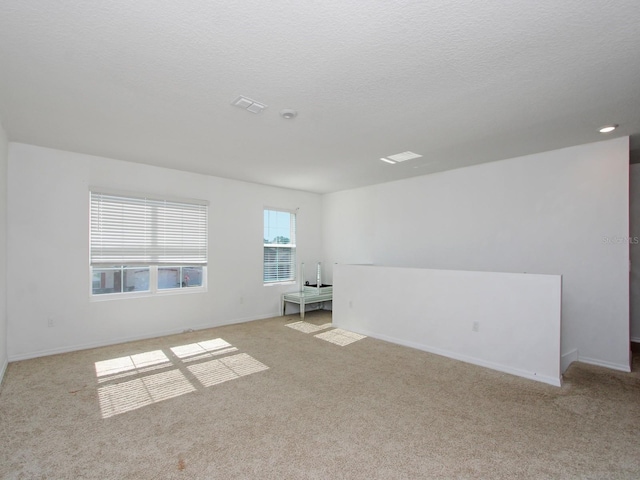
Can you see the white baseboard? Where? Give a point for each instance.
(602, 363)
(635, 339)
(3, 368)
(85, 346)
(567, 359)
(556, 382)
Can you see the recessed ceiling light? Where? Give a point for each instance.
(608, 128)
(404, 156)
(288, 113)
(388, 161)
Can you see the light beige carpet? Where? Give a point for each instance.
(260, 400)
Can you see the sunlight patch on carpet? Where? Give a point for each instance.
(306, 327)
(199, 350)
(222, 370)
(340, 337)
(163, 374)
(140, 392)
(125, 366)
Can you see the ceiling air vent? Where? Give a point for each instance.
(248, 104)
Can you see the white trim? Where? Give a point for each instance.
(635, 339)
(146, 293)
(294, 211)
(567, 359)
(602, 363)
(556, 382)
(85, 346)
(3, 369)
(275, 284)
(150, 196)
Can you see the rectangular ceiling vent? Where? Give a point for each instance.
(248, 104)
(404, 156)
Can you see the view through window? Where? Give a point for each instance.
(279, 246)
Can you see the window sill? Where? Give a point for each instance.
(275, 284)
(146, 294)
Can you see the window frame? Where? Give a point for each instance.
(153, 285)
(152, 266)
(292, 247)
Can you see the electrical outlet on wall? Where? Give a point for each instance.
(476, 326)
(51, 322)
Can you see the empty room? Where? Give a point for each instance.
(319, 240)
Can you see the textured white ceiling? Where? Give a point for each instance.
(459, 82)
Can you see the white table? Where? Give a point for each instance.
(307, 296)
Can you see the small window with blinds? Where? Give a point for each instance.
(279, 246)
(146, 244)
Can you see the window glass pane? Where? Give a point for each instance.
(192, 276)
(106, 280)
(168, 277)
(119, 279)
(136, 279)
(277, 227)
(96, 281)
(267, 232)
(179, 277)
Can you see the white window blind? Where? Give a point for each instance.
(129, 230)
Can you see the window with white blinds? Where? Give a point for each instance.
(142, 230)
(279, 246)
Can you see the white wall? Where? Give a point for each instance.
(634, 247)
(3, 250)
(48, 251)
(506, 321)
(547, 213)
